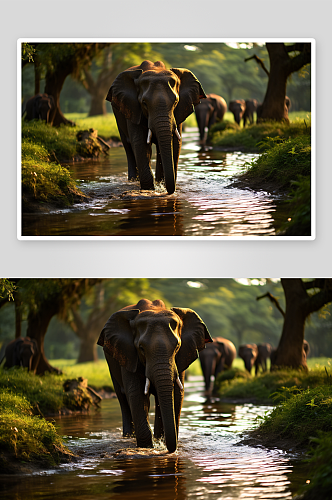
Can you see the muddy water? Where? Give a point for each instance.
(209, 463)
(204, 204)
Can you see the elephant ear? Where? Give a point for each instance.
(194, 336)
(123, 95)
(191, 92)
(117, 339)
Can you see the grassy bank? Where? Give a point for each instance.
(44, 149)
(26, 437)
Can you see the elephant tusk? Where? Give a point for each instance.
(178, 381)
(147, 386)
(177, 133)
(149, 137)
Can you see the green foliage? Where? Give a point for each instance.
(301, 414)
(320, 464)
(283, 160)
(270, 386)
(24, 435)
(43, 178)
(229, 134)
(300, 207)
(46, 391)
(7, 288)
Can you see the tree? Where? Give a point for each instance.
(98, 75)
(302, 299)
(59, 60)
(285, 59)
(96, 307)
(44, 298)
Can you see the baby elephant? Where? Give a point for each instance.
(215, 358)
(148, 348)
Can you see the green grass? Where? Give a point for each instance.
(105, 124)
(25, 436)
(97, 373)
(229, 134)
(237, 383)
(301, 414)
(43, 178)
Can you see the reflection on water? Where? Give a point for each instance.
(204, 204)
(209, 463)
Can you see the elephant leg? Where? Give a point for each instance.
(132, 167)
(127, 420)
(139, 407)
(142, 154)
(115, 372)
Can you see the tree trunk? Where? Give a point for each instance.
(53, 87)
(88, 348)
(299, 305)
(281, 66)
(274, 107)
(98, 104)
(38, 322)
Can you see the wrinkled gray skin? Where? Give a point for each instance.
(238, 108)
(152, 98)
(264, 352)
(215, 358)
(22, 351)
(148, 348)
(251, 108)
(249, 353)
(40, 107)
(208, 112)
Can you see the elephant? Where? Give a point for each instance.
(264, 352)
(238, 108)
(251, 108)
(40, 107)
(150, 103)
(208, 112)
(22, 351)
(249, 353)
(215, 358)
(148, 348)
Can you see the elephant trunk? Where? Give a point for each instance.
(163, 382)
(164, 132)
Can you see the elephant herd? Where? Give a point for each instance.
(150, 103)
(212, 110)
(148, 347)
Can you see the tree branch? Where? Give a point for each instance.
(260, 62)
(274, 301)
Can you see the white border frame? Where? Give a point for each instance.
(169, 238)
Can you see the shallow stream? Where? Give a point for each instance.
(204, 203)
(209, 463)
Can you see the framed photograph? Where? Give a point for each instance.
(166, 139)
